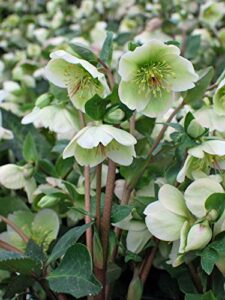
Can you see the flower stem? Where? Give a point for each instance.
(108, 73)
(98, 195)
(89, 241)
(9, 247)
(195, 277)
(105, 222)
(23, 236)
(147, 264)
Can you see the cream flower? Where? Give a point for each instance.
(149, 76)
(54, 117)
(210, 154)
(81, 78)
(212, 12)
(93, 144)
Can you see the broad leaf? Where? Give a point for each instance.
(67, 240)
(96, 107)
(74, 275)
(15, 262)
(29, 148)
(84, 53)
(216, 202)
(107, 49)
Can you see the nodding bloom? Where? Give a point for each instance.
(219, 99)
(149, 76)
(93, 144)
(81, 78)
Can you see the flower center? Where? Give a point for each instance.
(78, 80)
(154, 78)
(112, 146)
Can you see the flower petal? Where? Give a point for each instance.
(197, 193)
(123, 155)
(162, 223)
(173, 200)
(121, 136)
(131, 95)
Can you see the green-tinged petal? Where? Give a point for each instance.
(220, 264)
(11, 176)
(162, 223)
(183, 237)
(132, 96)
(183, 172)
(184, 73)
(198, 236)
(121, 136)
(173, 200)
(208, 118)
(214, 147)
(136, 239)
(197, 151)
(55, 72)
(93, 136)
(88, 157)
(197, 193)
(158, 104)
(123, 155)
(69, 58)
(152, 51)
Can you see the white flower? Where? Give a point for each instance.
(149, 76)
(210, 154)
(81, 78)
(93, 144)
(56, 118)
(166, 217)
(212, 12)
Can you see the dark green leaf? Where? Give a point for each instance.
(119, 212)
(194, 95)
(85, 53)
(145, 125)
(74, 275)
(208, 258)
(34, 251)
(107, 49)
(188, 118)
(192, 46)
(96, 107)
(15, 262)
(216, 202)
(113, 272)
(29, 148)
(66, 241)
(17, 285)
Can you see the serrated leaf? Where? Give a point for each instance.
(192, 46)
(194, 95)
(74, 275)
(107, 49)
(34, 251)
(96, 107)
(84, 53)
(15, 262)
(66, 241)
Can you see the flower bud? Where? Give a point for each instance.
(195, 129)
(199, 236)
(44, 100)
(114, 115)
(48, 201)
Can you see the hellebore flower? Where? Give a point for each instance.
(212, 12)
(54, 117)
(166, 217)
(219, 99)
(210, 154)
(149, 76)
(93, 144)
(81, 78)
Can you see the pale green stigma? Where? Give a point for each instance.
(154, 78)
